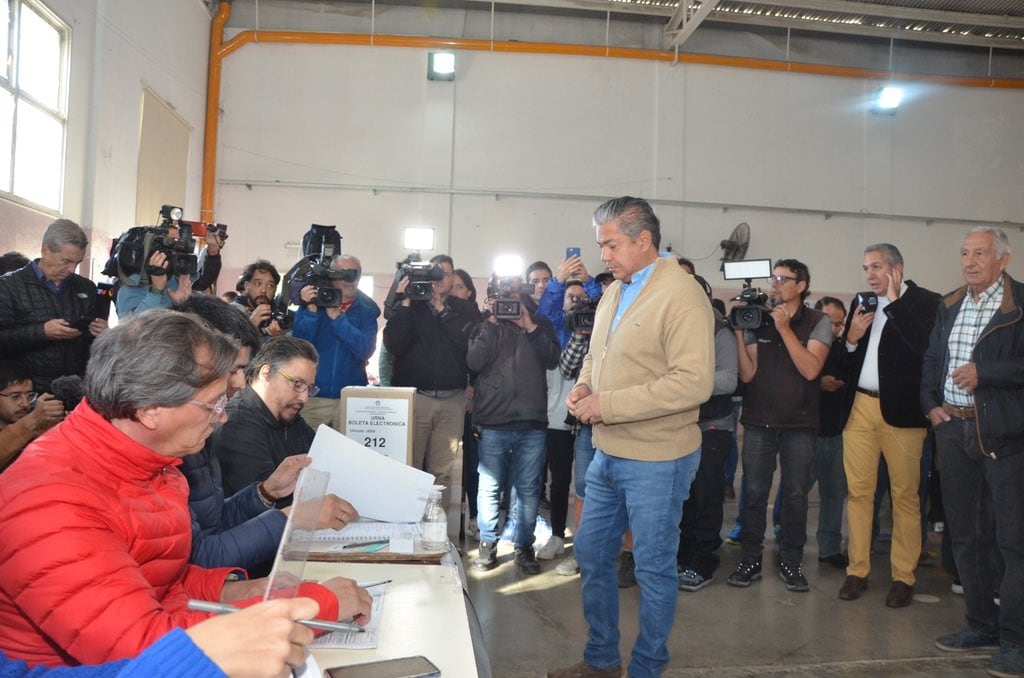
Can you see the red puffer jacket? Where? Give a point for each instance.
(95, 537)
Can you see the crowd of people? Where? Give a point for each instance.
(170, 475)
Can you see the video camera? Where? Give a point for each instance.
(756, 313)
(501, 288)
(279, 312)
(581, 317)
(315, 269)
(421, 274)
(130, 253)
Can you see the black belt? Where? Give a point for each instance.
(867, 392)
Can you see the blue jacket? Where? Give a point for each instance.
(136, 298)
(553, 301)
(345, 345)
(173, 656)
(236, 532)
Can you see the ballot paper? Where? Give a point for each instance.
(378, 487)
(351, 640)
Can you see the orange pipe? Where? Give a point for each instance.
(212, 130)
(220, 50)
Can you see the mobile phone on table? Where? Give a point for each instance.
(571, 252)
(404, 667)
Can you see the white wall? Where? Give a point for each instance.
(337, 118)
(119, 47)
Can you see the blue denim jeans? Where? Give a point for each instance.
(646, 497)
(831, 479)
(795, 449)
(583, 450)
(520, 453)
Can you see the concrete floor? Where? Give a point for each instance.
(535, 623)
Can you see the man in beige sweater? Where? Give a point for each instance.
(650, 367)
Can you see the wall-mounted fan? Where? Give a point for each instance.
(735, 246)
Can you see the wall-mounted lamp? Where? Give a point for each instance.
(887, 100)
(440, 66)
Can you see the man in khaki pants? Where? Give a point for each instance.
(885, 347)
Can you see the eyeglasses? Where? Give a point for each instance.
(301, 386)
(577, 298)
(18, 397)
(781, 279)
(215, 410)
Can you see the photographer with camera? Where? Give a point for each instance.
(552, 303)
(887, 334)
(781, 362)
(510, 351)
(427, 341)
(344, 334)
(24, 414)
(260, 281)
(168, 276)
(48, 313)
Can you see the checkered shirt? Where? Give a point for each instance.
(571, 360)
(970, 322)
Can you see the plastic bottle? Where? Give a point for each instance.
(434, 524)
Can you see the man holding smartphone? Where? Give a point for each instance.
(48, 316)
(551, 304)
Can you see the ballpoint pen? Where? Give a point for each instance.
(223, 608)
(362, 544)
(371, 584)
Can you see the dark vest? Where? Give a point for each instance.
(779, 396)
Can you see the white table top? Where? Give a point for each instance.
(424, 613)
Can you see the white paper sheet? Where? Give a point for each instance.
(380, 488)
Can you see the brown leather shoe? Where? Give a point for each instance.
(585, 670)
(900, 595)
(853, 587)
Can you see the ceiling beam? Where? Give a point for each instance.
(895, 12)
(870, 31)
(680, 26)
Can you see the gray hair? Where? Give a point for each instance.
(347, 257)
(890, 252)
(62, 233)
(279, 351)
(157, 358)
(634, 215)
(999, 239)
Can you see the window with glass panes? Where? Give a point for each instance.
(33, 102)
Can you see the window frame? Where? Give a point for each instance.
(10, 84)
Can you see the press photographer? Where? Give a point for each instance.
(157, 265)
(511, 354)
(268, 314)
(341, 322)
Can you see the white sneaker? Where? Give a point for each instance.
(568, 567)
(554, 547)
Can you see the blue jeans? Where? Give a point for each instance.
(520, 453)
(831, 478)
(584, 453)
(646, 497)
(795, 449)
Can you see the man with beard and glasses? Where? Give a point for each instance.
(259, 287)
(23, 416)
(263, 424)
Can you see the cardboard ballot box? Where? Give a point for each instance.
(380, 418)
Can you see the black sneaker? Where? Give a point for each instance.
(747, 571)
(627, 570)
(487, 557)
(793, 576)
(526, 559)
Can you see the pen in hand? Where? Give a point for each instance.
(222, 608)
(363, 544)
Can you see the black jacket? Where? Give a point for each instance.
(428, 350)
(832, 410)
(511, 389)
(999, 358)
(900, 352)
(25, 306)
(253, 442)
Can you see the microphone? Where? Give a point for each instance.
(68, 390)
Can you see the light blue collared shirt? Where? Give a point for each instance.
(630, 291)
